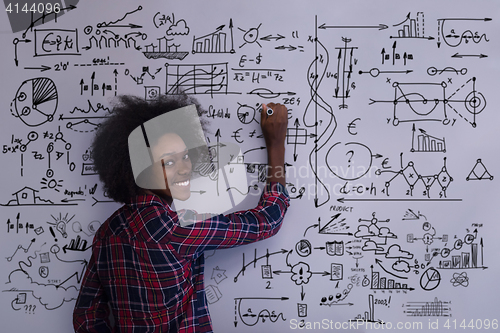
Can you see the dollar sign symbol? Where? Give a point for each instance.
(258, 58)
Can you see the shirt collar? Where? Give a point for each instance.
(144, 200)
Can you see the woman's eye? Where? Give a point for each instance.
(186, 156)
(169, 163)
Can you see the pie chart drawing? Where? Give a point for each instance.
(303, 248)
(430, 279)
(36, 101)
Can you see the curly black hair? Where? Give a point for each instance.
(110, 151)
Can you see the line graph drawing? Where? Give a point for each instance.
(114, 23)
(82, 124)
(461, 31)
(21, 247)
(204, 79)
(83, 121)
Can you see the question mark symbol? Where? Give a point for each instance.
(349, 160)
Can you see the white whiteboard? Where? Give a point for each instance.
(391, 149)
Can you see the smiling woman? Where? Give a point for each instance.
(147, 263)
(176, 166)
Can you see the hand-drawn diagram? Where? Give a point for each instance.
(412, 178)
(35, 102)
(460, 31)
(166, 46)
(390, 152)
(479, 172)
(310, 118)
(197, 79)
(218, 41)
(412, 27)
(428, 309)
(424, 142)
(345, 64)
(417, 101)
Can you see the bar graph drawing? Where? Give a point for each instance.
(437, 308)
(164, 50)
(412, 27)
(215, 42)
(472, 259)
(368, 316)
(382, 283)
(423, 142)
(208, 79)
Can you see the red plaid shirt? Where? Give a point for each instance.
(149, 268)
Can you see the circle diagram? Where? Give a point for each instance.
(430, 279)
(349, 161)
(303, 248)
(36, 101)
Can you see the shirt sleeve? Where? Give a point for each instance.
(223, 231)
(91, 313)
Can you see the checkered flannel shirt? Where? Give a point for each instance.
(149, 268)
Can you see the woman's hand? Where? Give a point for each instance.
(274, 130)
(274, 126)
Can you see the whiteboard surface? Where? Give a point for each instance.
(391, 151)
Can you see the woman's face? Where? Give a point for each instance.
(176, 166)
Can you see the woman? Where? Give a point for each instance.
(146, 268)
